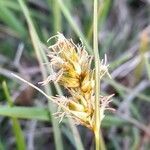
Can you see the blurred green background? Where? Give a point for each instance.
(26, 120)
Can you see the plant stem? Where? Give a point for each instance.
(97, 79)
(99, 144)
(97, 140)
(102, 144)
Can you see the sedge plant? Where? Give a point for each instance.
(71, 68)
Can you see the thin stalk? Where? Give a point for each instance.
(97, 79)
(98, 138)
(102, 15)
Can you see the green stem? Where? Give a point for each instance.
(102, 144)
(103, 10)
(99, 144)
(97, 141)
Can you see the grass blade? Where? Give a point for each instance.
(122, 89)
(74, 25)
(110, 120)
(102, 14)
(9, 18)
(20, 140)
(79, 145)
(56, 15)
(136, 138)
(42, 114)
(37, 113)
(147, 63)
(1, 145)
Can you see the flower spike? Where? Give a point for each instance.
(72, 69)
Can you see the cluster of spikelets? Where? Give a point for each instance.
(71, 68)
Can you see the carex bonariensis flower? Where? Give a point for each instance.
(71, 68)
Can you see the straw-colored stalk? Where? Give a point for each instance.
(97, 78)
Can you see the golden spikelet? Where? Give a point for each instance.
(71, 67)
